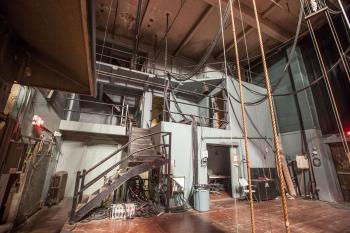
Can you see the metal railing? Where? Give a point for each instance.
(147, 65)
(116, 114)
(314, 7)
(80, 182)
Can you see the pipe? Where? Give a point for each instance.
(312, 179)
(137, 33)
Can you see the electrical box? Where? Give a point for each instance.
(302, 162)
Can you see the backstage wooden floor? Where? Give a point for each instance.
(305, 216)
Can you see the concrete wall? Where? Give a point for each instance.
(325, 175)
(77, 155)
(146, 109)
(82, 127)
(182, 148)
(186, 109)
(289, 126)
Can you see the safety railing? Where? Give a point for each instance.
(80, 183)
(142, 63)
(105, 113)
(206, 120)
(314, 7)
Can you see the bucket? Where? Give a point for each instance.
(201, 199)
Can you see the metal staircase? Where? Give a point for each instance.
(141, 155)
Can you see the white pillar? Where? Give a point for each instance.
(146, 109)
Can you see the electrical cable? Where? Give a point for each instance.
(292, 51)
(287, 65)
(182, 3)
(338, 44)
(329, 90)
(206, 55)
(305, 87)
(105, 32)
(175, 101)
(245, 40)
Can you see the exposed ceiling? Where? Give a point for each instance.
(193, 24)
(55, 40)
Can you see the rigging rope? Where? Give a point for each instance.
(273, 121)
(303, 88)
(288, 62)
(245, 134)
(226, 77)
(338, 44)
(245, 39)
(329, 90)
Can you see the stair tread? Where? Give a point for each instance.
(92, 196)
(140, 144)
(95, 199)
(147, 155)
(139, 129)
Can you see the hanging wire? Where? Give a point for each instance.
(245, 134)
(338, 44)
(231, 133)
(344, 14)
(273, 121)
(207, 53)
(245, 40)
(105, 32)
(329, 90)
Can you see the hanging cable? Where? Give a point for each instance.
(228, 97)
(105, 32)
(329, 90)
(303, 88)
(292, 51)
(207, 53)
(165, 94)
(245, 39)
(273, 121)
(175, 100)
(344, 13)
(245, 134)
(338, 44)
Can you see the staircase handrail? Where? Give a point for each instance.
(122, 148)
(86, 186)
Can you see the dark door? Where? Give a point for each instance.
(342, 167)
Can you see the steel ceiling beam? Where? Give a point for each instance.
(267, 26)
(193, 30)
(249, 29)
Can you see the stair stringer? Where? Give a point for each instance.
(134, 171)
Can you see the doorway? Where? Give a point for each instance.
(219, 172)
(157, 110)
(217, 112)
(342, 167)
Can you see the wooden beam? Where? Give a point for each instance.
(267, 26)
(193, 30)
(248, 29)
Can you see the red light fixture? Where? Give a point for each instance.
(37, 121)
(348, 133)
